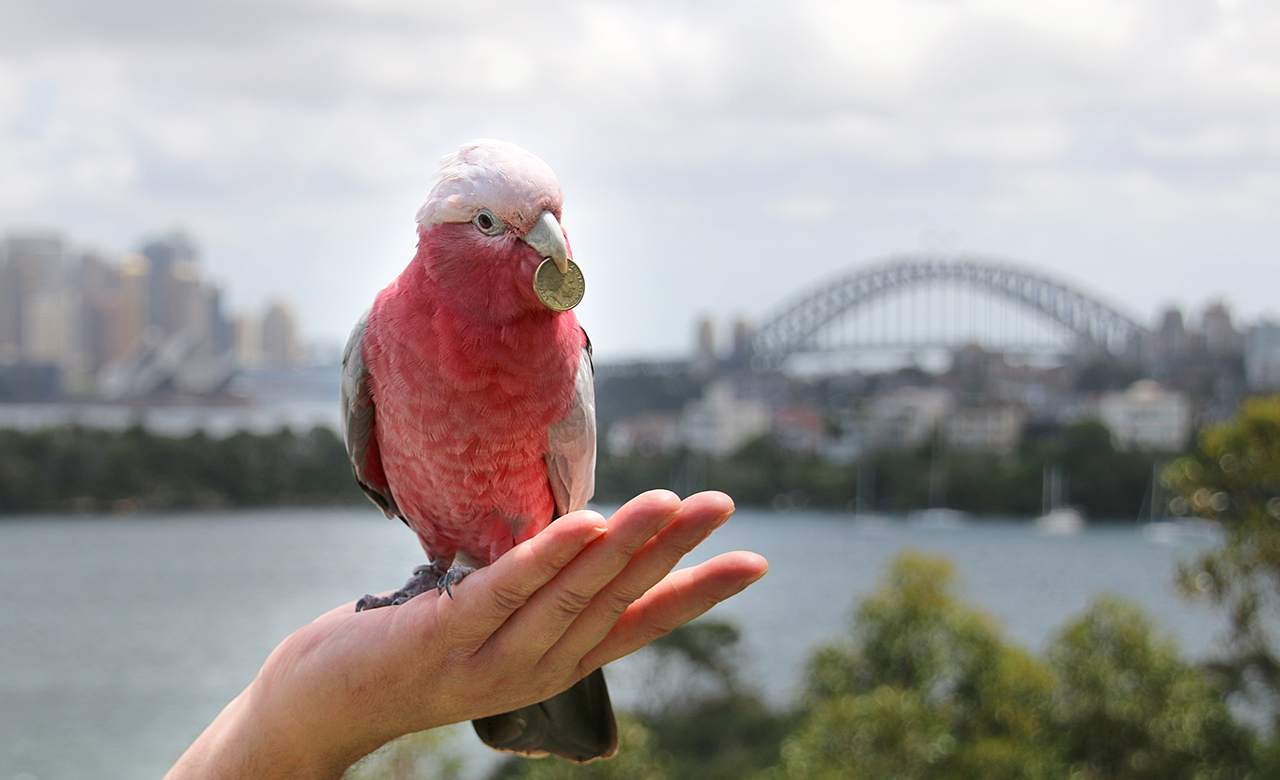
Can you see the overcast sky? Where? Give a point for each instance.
(716, 157)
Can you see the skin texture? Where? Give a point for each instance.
(583, 592)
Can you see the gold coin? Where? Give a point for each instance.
(558, 291)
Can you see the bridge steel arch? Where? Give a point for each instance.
(793, 329)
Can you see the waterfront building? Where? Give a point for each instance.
(280, 347)
(652, 433)
(993, 428)
(720, 422)
(907, 417)
(1146, 416)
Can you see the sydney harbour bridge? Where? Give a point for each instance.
(929, 301)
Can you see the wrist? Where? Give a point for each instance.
(253, 739)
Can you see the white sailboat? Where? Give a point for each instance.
(864, 501)
(938, 517)
(1056, 518)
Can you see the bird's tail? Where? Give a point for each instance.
(577, 725)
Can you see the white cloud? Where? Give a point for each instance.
(695, 139)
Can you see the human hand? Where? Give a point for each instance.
(582, 593)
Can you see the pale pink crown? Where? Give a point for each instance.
(502, 177)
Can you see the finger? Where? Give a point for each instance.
(553, 609)
(699, 515)
(682, 596)
(488, 597)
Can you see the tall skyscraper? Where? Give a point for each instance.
(33, 269)
(99, 284)
(280, 348)
(80, 318)
(172, 260)
(132, 316)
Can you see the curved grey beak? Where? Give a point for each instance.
(547, 237)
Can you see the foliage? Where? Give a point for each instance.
(924, 687)
(1127, 708)
(620, 478)
(82, 469)
(420, 756)
(1107, 483)
(1233, 478)
(714, 725)
(889, 733)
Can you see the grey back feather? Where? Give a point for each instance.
(358, 414)
(571, 454)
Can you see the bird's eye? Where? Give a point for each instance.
(488, 223)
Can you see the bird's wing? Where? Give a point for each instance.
(358, 414)
(571, 458)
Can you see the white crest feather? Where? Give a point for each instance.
(500, 176)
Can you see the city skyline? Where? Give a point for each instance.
(286, 341)
(147, 328)
(714, 156)
(144, 323)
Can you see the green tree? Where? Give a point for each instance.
(1106, 482)
(1127, 708)
(421, 756)
(82, 469)
(924, 687)
(887, 733)
(712, 724)
(1233, 478)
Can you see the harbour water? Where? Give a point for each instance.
(121, 638)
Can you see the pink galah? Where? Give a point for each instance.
(468, 406)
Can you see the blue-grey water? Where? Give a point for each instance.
(121, 638)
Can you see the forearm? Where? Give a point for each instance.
(244, 743)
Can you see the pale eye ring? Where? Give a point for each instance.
(488, 222)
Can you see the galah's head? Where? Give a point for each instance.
(491, 219)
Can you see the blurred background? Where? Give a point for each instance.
(990, 280)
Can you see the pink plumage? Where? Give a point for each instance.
(468, 403)
(465, 394)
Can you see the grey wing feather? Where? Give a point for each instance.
(571, 457)
(358, 414)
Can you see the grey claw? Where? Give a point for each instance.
(455, 574)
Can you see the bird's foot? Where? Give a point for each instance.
(435, 575)
(452, 577)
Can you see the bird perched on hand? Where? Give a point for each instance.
(468, 405)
